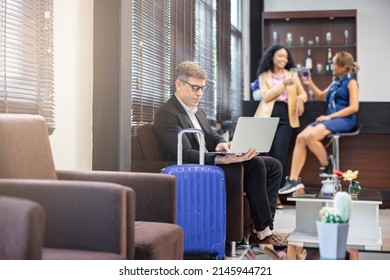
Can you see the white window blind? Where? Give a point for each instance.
(26, 58)
(151, 52)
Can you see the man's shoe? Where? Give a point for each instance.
(291, 186)
(270, 240)
(326, 171)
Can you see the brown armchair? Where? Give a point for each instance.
(150, 229)
(82, 220)
(21, 229)
(147, 156)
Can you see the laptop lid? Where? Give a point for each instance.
(253, 133)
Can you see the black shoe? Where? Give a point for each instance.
(326, 171)
(272, 239)
(291, 186)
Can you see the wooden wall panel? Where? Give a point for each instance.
(368, 153)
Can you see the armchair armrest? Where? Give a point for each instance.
(21, 229)
(155, 193)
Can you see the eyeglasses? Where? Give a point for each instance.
(196, 88)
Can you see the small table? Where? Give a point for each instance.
(364, 231)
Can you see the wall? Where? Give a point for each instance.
(106, 69)
(73, 33)
(373, 39)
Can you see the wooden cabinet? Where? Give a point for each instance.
(304, 27)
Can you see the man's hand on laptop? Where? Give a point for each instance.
(233, 158)
(223, 147)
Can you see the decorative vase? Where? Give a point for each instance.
(332, 240)
(354, 189)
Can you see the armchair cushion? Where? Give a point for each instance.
(158, 241)
(19, 153)
(151, 149)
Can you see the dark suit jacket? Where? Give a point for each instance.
(170, 119)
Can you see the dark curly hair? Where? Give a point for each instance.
(267, 60)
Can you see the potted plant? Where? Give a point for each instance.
(332, 229)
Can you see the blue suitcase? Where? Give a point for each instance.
(201, 202)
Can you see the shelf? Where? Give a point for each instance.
(309, 25)
(293, 46)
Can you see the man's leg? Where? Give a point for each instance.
(262, 177)
(274, 176)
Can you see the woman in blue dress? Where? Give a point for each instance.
(342, 99)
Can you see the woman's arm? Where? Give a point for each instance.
(318, 93)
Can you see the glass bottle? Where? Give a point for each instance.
(308, 60)
(329, 62)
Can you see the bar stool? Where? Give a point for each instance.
(334, 140)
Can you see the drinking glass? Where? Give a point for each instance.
(302, 40)
(317, 39)
(289, 38)
(305, 72)
(346, 35)
(275, 37)
(328, 38)
(319, 67)
(294, 73)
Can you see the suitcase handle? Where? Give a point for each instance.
(180, 144)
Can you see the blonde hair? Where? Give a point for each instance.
(187, 69)
(346, 59)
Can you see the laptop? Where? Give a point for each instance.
(252, 133)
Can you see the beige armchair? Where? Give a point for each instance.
(149, 199)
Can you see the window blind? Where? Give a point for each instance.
(150, 69)
(235, 33)
(167, 32)
(26, 58)
(206, 51)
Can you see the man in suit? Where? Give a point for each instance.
(262, 175)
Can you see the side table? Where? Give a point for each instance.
(364, 231)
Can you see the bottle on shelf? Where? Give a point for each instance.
(309, 60)
(329, 62)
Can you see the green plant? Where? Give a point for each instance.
(341, 210)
